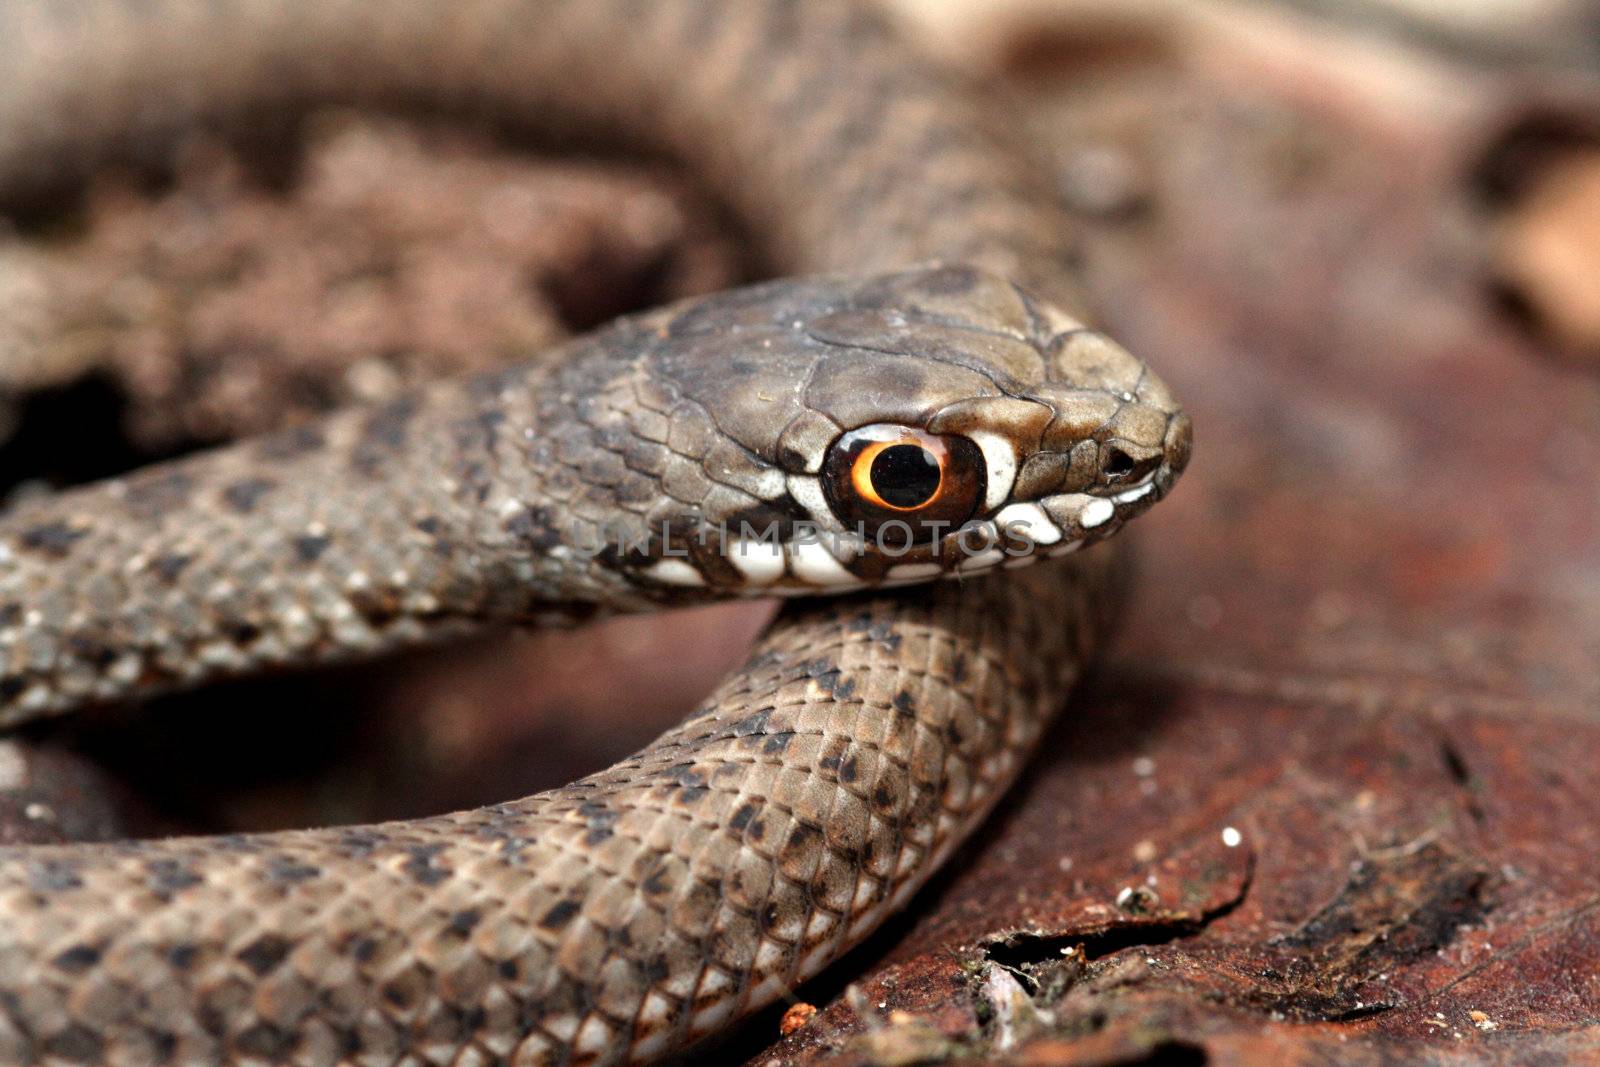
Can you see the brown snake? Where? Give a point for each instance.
(632, 912)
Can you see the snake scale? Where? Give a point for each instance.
(926, 373)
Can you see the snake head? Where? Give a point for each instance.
(899, 428)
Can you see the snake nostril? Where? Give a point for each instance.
(1116, 464)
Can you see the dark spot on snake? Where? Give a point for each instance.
(686, 775)
(164, 1045)
(236, 843)
(434, 528)
(701, 903)
(475, 476)
(361, 949)
(849, 771)
(535, 527)
(212, 1020)
(512, 846)
(287, 444)
(883, 798)
(1072, 258)
(637, 490)
(692, 795)
(559, 915)
(170, 566)
(777, 743)
(11, 686)
(903, 703)
(600, 819)
(949, 281)
(459, 1025)
(264, 953)
(771, 520)
(287, 871)
(854, 132)
(924, 806)
(171, 876)
(802, 836)
(618, 439)
(937, 138)
(657, 883)
(54, 876)
(751, 725)
(743, 817)
(477, 434)
(462, 922)
(572, 999)
(76, 1044)
(958, 668)
(357, 843)
(770, 915)
(420, 865)
(769, 659)
(377, 606)
(147, 496)
(182, 957)
(758, 830)
(92, 652)
(243, 495)
(10, 614)
(152, 493)
(967, 194)
(310, 547)
(52, 538)
(509, 969)
(77, 959)
(241, 633)
(397, 994)
(879, 630)
(382, 435)
(836, 686)
(654, 970)
(386, 427)
(266, 1041)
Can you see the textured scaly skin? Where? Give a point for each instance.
(630, 913)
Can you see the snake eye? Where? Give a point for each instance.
(929, 483)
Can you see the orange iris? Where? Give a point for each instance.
(886, 471)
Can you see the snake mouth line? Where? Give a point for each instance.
(1016, 535)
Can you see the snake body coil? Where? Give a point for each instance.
(820, 435)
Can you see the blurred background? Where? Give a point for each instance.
(1362, 240)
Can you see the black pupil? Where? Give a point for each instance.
(905, 476)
